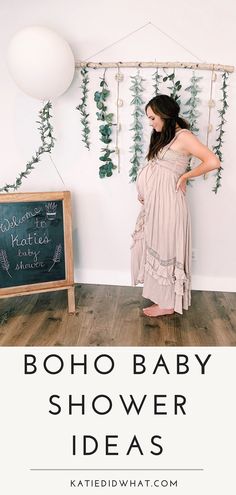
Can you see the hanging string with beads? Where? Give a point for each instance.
(119, 103)
(211, 104)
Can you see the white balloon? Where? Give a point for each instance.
(41, 62)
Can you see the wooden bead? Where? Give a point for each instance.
(120, 102)
(211, 103)
(119, 76)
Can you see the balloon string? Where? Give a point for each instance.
(56, 169)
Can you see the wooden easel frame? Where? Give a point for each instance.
(68, 283)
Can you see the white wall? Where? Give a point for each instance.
(104, 211)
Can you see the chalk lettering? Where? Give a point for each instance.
(28, 266)
(30, 240)
(13, 222)
(40, 224)
(29, 253)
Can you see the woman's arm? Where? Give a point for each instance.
(209, 161)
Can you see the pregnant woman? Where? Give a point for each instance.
(161, 252)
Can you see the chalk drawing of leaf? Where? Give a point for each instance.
(4, 261)
(57, 256)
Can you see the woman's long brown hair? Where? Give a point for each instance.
(168, 109)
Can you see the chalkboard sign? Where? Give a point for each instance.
(36, 243)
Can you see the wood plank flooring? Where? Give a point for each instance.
(111, 316)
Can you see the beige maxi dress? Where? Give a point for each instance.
(161, 250)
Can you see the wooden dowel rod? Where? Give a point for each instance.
(180, 65)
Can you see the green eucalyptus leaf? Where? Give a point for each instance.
(109, 117)
(97, 96)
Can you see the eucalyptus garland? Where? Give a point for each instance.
(217, 149)
(82, 107)
(192, 103)
(47, 143)
(175, 88)
(137, 126)
(105, 170)
(157, 80)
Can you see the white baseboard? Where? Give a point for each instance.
(101, 277)
(106, 277)
(222, 284)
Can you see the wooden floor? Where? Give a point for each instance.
(111, 316)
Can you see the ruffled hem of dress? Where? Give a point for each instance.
(169, 275)
(165, 295)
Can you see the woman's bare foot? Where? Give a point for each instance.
(155, 310)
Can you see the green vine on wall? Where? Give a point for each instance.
(175, 87)
(100, 97)
(157, 81)
(82, 107)
(137, 126)
(217, 149)
(47, 143)
(192, 103)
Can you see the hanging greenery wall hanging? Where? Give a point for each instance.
(192, 104)
(157, 81)
(100, 97)
(175, 88)
(217, 149)
(137, 126)
(83, 107)
(47, 143)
